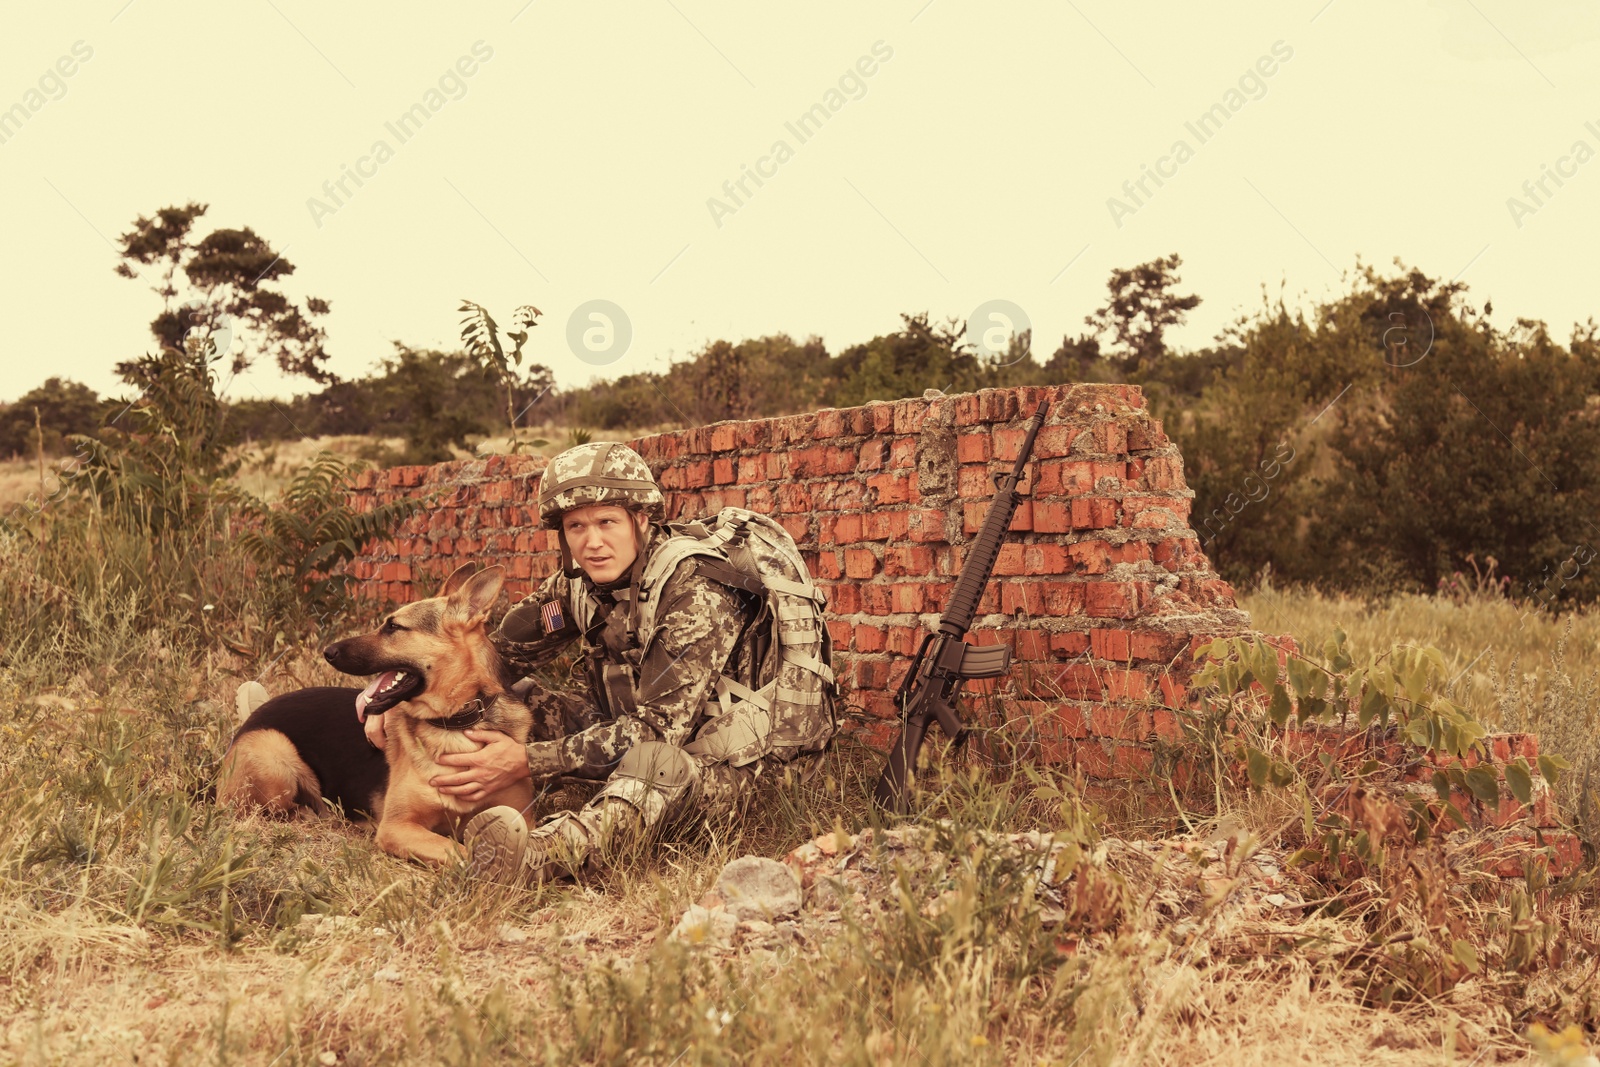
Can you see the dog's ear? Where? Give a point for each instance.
(458, 578)
(477, 594)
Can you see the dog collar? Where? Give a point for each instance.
(469, 715)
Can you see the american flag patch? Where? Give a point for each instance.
(553, 619)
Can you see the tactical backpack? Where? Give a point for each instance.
(786, 704)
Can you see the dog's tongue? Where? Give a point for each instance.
(365, 696)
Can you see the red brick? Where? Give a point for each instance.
(926, 526)
(1090, 557)
(973, 481)
(1008, 444)
(1114, 600)
(1030, 644)
(724, 437)
(1173, 695)
(1078, 681)
(793, 497)
(799, 528)
(860, 563)
(847, 529)
(1146, 434)
(875, 600)
(760, 499)
(1123, 724)
(841, 460)
(903, 453)
(844, 599)
(968, 410)
(884, 525)
(1128, 686)
(1131, 552)
(871, 458)
(904, 640)
(1110, 438)
(909, 415)
(1110, 644)
(1063, 598)
(973, 448)
(1093, 514)
(891, 488)
(696, 475)
(1156, 647)
(869, 638)
(1069, 644)
(1026, 597)
(973, 515)
(872, 674)
(840, 632)
(907, 597)
(1051, 517)
(827, 566)
(1132, 761)
(1054, 441)
(809, 462)
(1009, 562)
(829, 424)
(1045, 559)
(908, 561)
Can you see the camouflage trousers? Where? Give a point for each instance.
(662, 784)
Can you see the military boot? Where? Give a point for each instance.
(502, 849)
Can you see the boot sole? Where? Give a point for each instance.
(496, 842)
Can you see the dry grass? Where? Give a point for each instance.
(1518, 668)
(267, 467)
(138, 924)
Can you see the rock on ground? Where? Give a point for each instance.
(754, 888)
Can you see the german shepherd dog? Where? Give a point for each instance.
(437, 675)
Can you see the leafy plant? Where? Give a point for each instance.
(301, 540)
(481, 336)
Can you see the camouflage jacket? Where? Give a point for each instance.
(700, 622)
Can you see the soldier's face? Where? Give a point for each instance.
(603, 539)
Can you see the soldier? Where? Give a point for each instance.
(642, 727)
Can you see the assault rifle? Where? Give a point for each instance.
(944, 660)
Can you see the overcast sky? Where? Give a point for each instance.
(958, 153)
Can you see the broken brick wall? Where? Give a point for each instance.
(1102, 590)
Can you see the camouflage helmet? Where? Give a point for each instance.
(600, 472)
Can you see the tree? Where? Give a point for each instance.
(64, 408)
(908, 362)
(228, 283)
(426, 394)
(1490, 446)
(1079, 360)
(1140, 308)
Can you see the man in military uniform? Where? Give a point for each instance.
(648, 691)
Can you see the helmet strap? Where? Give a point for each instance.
(569, 567)
(641, 541)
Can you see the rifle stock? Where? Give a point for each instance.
(945, 660)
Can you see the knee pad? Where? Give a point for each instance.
(654, 777)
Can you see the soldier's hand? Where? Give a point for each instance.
(502, 762)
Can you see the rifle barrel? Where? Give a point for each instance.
(934, 681)
(979, 565)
